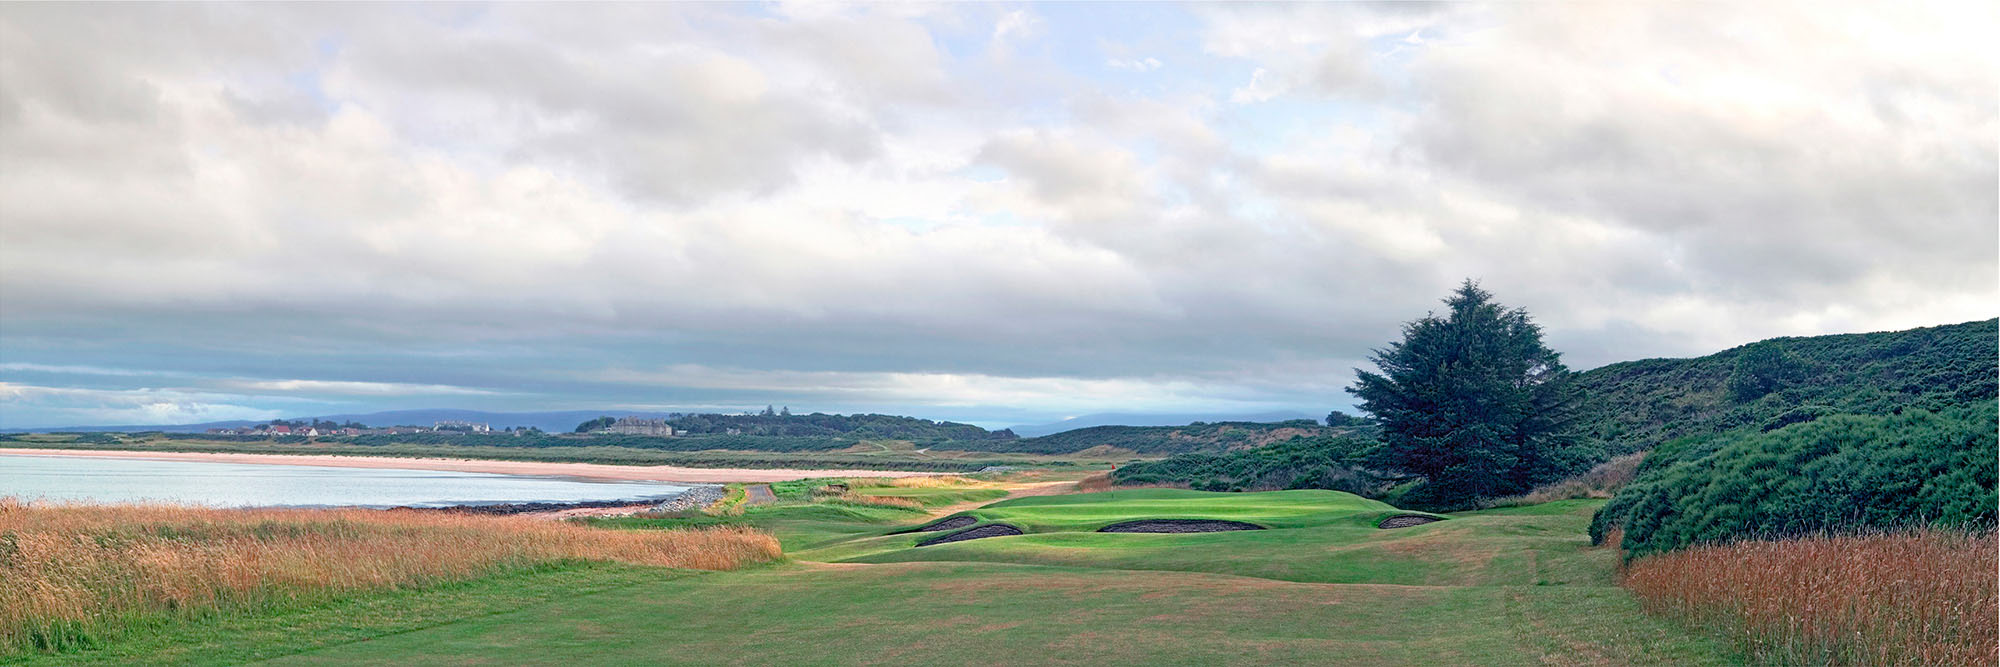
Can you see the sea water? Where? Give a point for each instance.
(109, 480)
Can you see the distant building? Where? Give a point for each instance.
(452, 425)
(638, 426)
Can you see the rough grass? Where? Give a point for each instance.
(71, 575)
(1601, 481)
(1923, 598)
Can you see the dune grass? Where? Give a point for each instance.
(72, 576)
(1921, 598)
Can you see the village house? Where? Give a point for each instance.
(639, 426)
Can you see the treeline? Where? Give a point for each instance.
(1837, 474)
(1637, 405)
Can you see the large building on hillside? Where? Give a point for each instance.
(638, 426)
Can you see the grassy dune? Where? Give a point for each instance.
(75, 575)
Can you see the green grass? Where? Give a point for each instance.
(1509, 586)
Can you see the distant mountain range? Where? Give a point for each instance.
(560, 421)
(1152, 419)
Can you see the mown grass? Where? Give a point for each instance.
(73, 576)
(1921, 598)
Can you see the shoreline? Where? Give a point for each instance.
(584, 470)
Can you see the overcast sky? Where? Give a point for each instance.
(998, 213)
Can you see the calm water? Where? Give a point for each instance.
(258, 485)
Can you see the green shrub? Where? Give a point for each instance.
(1836, 474)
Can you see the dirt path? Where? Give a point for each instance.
(759, 494)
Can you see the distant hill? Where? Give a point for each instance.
(1197, 437)
(1636, 405)
(555, 422)
(861, 426)
(1149, 419)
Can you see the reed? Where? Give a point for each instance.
(1913, 598)
(72, 575)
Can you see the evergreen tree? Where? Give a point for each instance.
(1472, 402)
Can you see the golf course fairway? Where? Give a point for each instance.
(1320, 584)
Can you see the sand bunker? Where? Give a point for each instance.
(1406, 520)
(1178, 526)
(952, 523)
(988, 530)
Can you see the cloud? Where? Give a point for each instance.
(348, 388)
(1017, 24)
(31, 406)
(1134, 64)
(364, 205)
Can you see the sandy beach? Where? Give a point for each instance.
(586, 470)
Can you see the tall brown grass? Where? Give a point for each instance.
(1921, 598)
(71, 572)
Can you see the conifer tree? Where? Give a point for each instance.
(1473, 403)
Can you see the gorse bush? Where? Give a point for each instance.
(1843, 473)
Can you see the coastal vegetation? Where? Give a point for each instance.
(78, 576)
(1638, 405)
